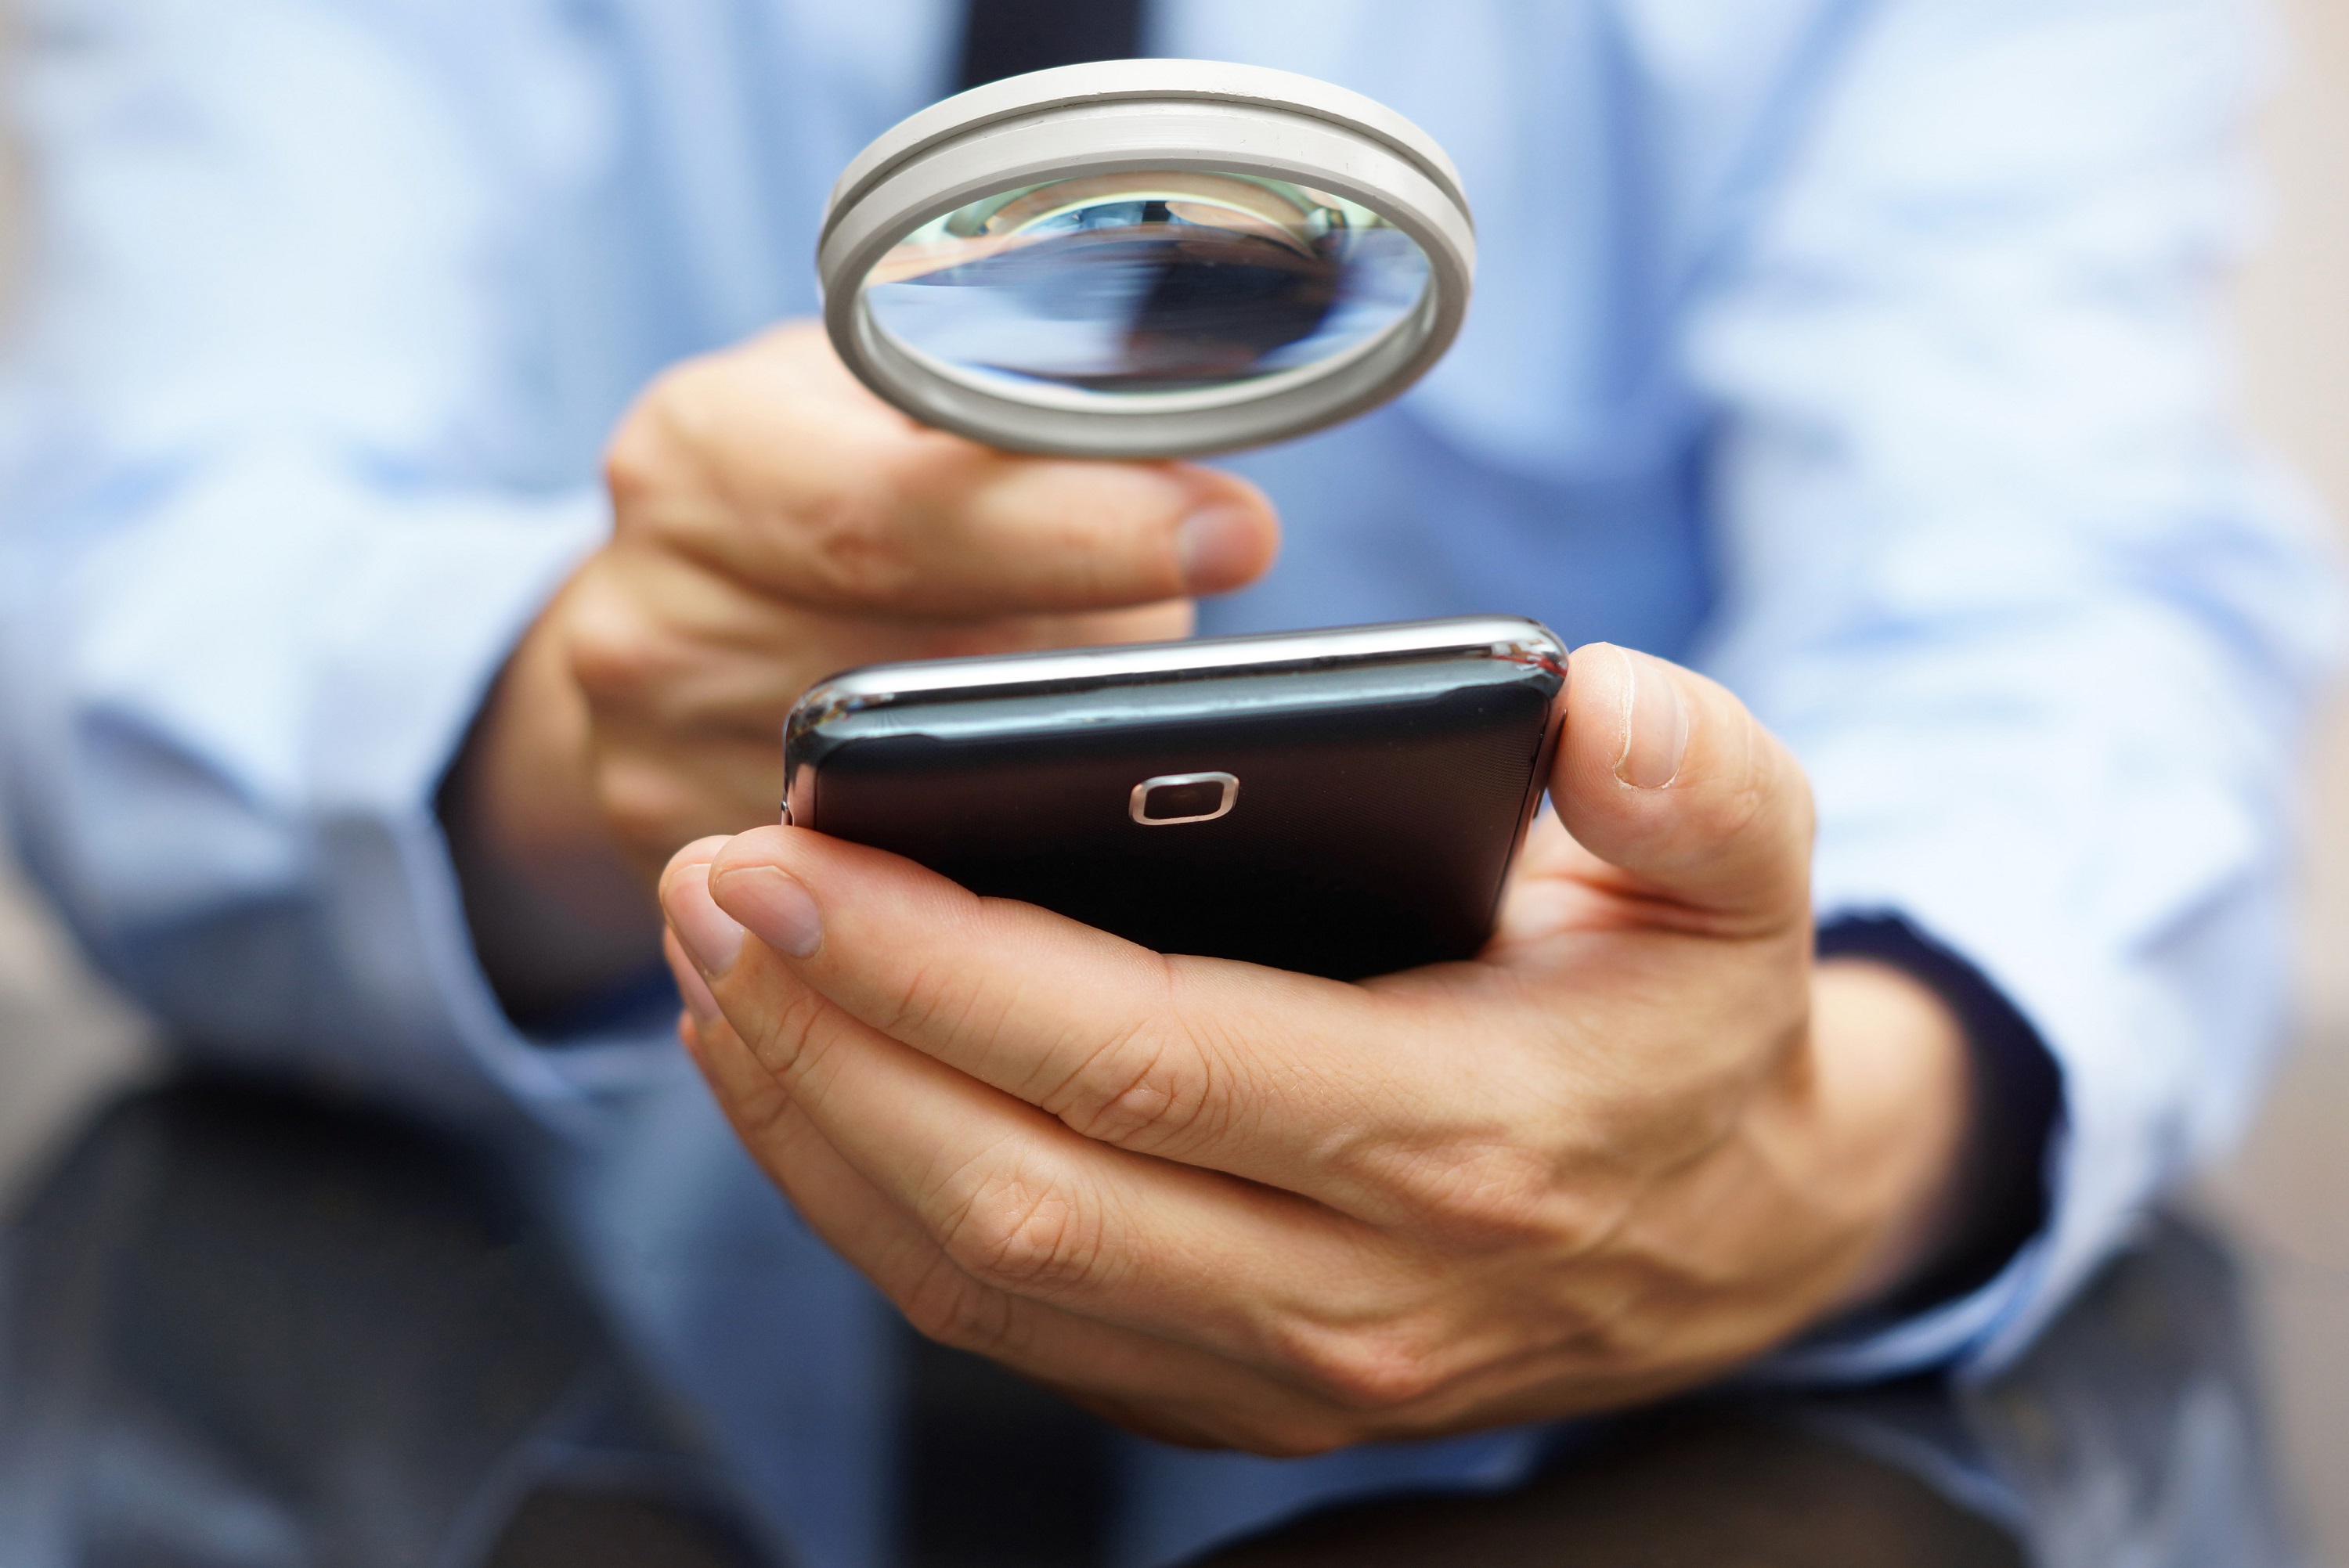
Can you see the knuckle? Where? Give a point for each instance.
(635, 464)
(930, 1000)
(655, 438)
(1018, 1233)
(706, 454)
(950, 1308)
(855, 551)
(1147, 1088)
(646, 807)
(617, 657)
(788, 1038)
(1370, 1372)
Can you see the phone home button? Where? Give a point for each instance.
(1174, 799)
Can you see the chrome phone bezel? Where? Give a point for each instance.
(1509, 638)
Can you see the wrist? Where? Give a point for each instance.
(1897, 1090)
(2001, 1194)
(555, 910)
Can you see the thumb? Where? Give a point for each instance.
(1664, 775)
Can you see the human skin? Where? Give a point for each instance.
(1637, 1142)
(775, 523)
(1644, 1138)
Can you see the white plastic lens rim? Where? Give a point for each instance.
(1122, 117)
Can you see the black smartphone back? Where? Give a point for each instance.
(1344, 803)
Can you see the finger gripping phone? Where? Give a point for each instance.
(1343, 803)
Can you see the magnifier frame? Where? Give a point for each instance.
(1125, 117)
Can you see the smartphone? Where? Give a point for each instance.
(1344, 803)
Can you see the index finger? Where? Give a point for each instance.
(772, 463)
(1311, 1086)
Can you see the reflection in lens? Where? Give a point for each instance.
(1147, 283)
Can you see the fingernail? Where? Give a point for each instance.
(708, 933)
(690, 986)
(1218, 548)
(1655, 725)
(779, 907)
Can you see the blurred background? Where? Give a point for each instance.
(65, 1044)
(2286, 1194)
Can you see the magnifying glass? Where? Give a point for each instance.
(1146, 259)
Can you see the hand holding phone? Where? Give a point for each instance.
(1640, 1140)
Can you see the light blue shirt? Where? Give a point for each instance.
(1865, 352)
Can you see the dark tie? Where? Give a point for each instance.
(997, 1472)
(1012, 37)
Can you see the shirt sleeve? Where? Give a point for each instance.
(1996, 561)
(268, 524)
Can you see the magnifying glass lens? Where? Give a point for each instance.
(1112, 285)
